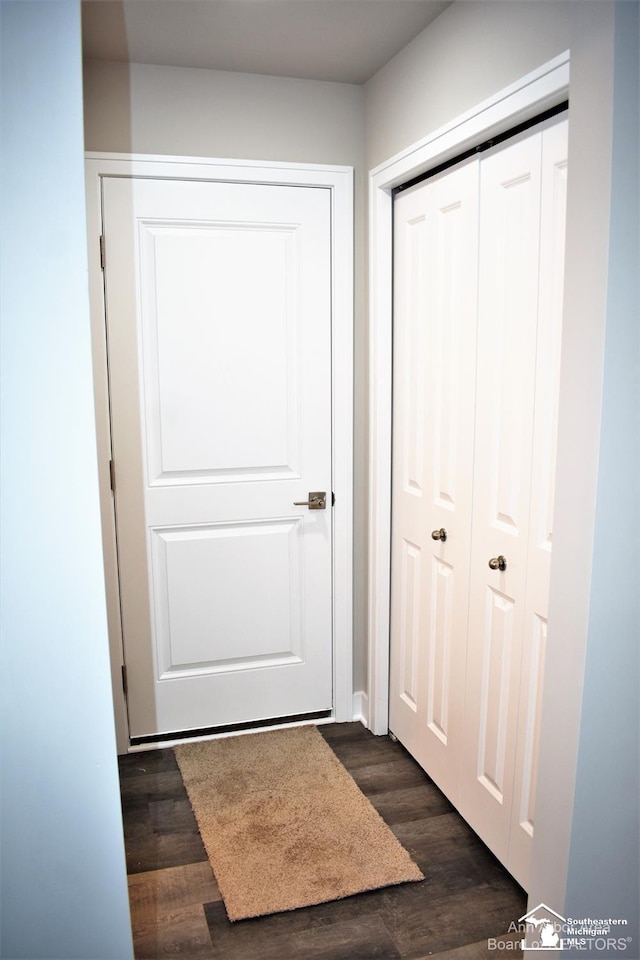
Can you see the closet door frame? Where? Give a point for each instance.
(537, 91)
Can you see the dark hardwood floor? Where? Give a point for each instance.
(176, 910)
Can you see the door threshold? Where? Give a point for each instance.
(162, 740)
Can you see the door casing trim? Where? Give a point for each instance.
(339, 180)
(544, 87)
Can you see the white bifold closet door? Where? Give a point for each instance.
(434, 346)
(478, 279)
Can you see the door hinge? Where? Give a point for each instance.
(112, 475)
(103, 258)
(333, 499)
(125, 686)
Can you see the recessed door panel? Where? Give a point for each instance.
(410, 345)
(449, 349)
(439, 650)
(507, 318)
(229, 406)
(193, 566)
(497, 643)
(530, 703)
(410, 632)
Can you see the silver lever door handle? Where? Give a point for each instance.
(317, 501)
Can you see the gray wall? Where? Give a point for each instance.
(143, 108)
(64, 891)
(467, 54)
(605, 836)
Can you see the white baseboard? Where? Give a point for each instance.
(361, 708)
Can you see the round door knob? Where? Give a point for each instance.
(440, 534)
(498, 563)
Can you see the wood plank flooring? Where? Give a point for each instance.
(176, 909)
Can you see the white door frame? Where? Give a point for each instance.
(543, 88)
(339, 180)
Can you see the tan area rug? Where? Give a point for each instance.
(284, 824)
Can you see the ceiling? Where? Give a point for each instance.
(340, 40)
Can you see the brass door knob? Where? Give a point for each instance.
(498, 563)
(440, 534)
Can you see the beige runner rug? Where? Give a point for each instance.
(284, 824)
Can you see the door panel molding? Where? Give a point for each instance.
(339, 180)
(244, 644)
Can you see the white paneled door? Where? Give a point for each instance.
(435, 251)
(521, 271)
(505, 397)
(218, 301)
(478, 279)
(553, 193)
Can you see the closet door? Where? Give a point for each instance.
(479, 259)
(543, 468)
(517, 373)
(435, 243)
(507, 318)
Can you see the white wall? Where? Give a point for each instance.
(142, 108)
(64, 890)
(472, 51)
